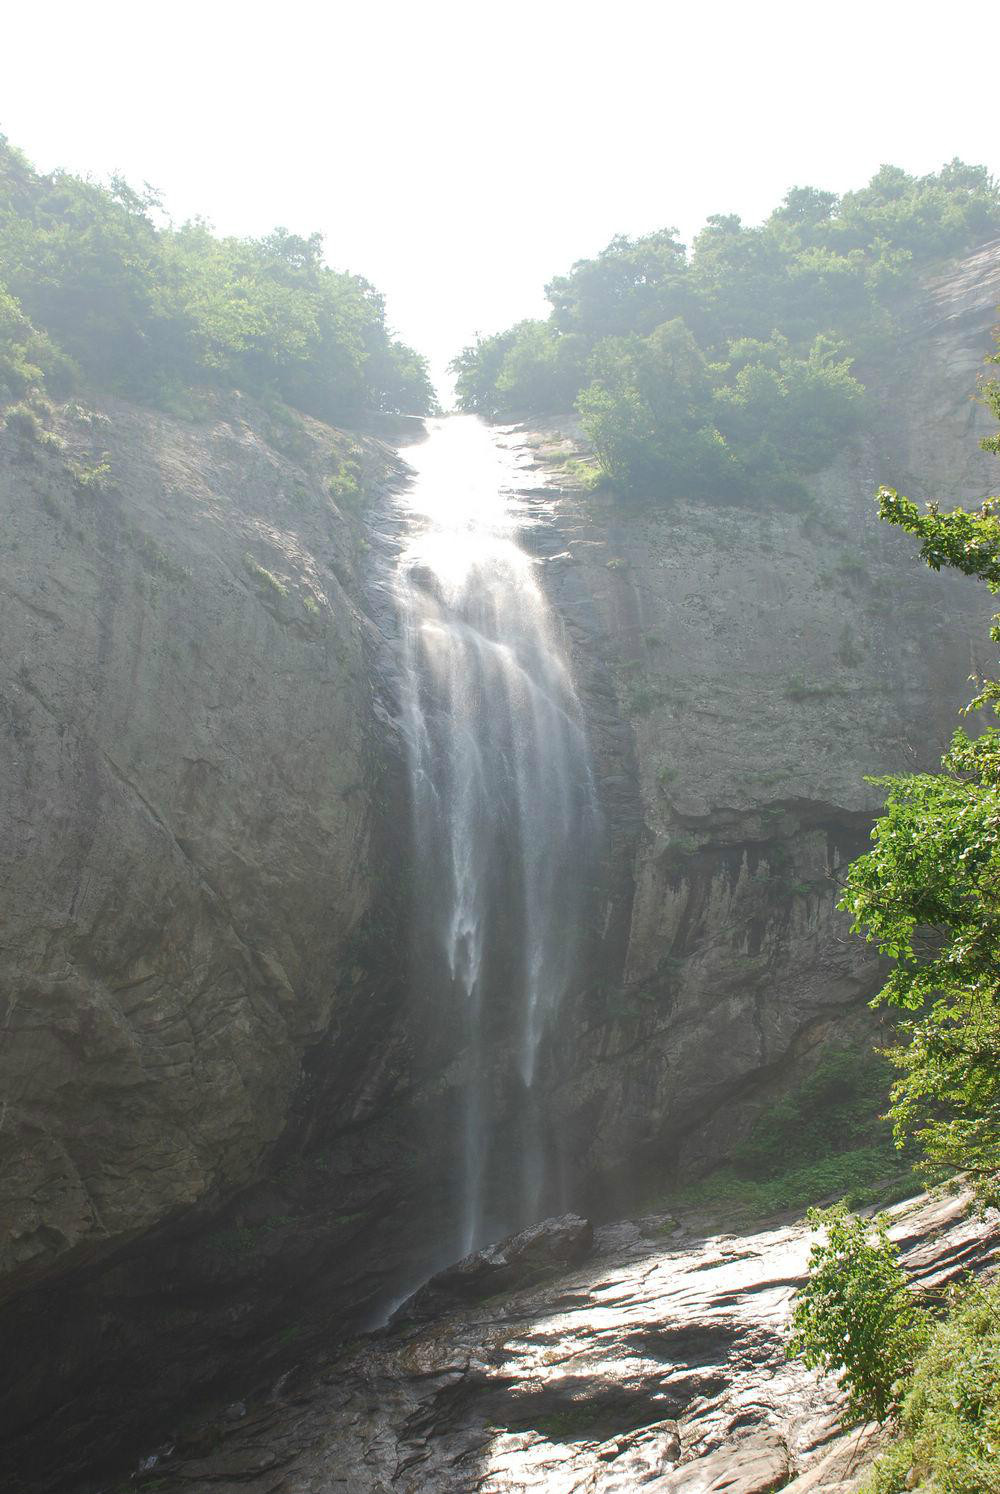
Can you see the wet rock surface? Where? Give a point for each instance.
(659, 1363)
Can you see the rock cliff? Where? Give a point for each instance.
(192, 775)
(746, 672)
(186, 777)
(219, 1109)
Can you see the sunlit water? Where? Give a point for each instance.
(505, 815)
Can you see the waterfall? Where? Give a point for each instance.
(505, 814)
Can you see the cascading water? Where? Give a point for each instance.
(505, 813)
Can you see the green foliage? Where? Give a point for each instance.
(648, 414)
(261, 573)
(968, 541)
(541, 370)
(91, 280)
(950, 1415)
(857, 1176)
(825, 1138)
(665, 422)
(928, 895)
(785, 415)
(836, 1108)
(92, 476)
(344, 485)
(477, 369)
(22, 421)
(856, 1314)
(633, 286)
(727, 373)
(990, 396)
(29, 361)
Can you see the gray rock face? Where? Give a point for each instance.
(185, 775)
(658, 1364)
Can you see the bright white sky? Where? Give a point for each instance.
(459, 155)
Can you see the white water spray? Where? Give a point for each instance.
(504, 805)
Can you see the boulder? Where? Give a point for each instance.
(517, 1261)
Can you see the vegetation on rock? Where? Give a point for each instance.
(92, 283)
(856, 1313)
(932, 1368)
(727, 373)
(826, 1138)
(928, 895)
(950, 1415)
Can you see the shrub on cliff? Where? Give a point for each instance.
(937, 1378)
(28, 359)
(928, 894)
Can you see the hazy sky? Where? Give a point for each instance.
(459, 155)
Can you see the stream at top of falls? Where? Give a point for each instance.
(505, 817)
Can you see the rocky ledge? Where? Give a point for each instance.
(657, 1363)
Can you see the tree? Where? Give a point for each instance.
(648, 413)
(928, 894)
(632, 286)
(856, 1314)
(28, 359)
(476, 369)
(540, 371)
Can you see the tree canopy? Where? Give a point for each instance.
(727, 372)
(89, 280)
